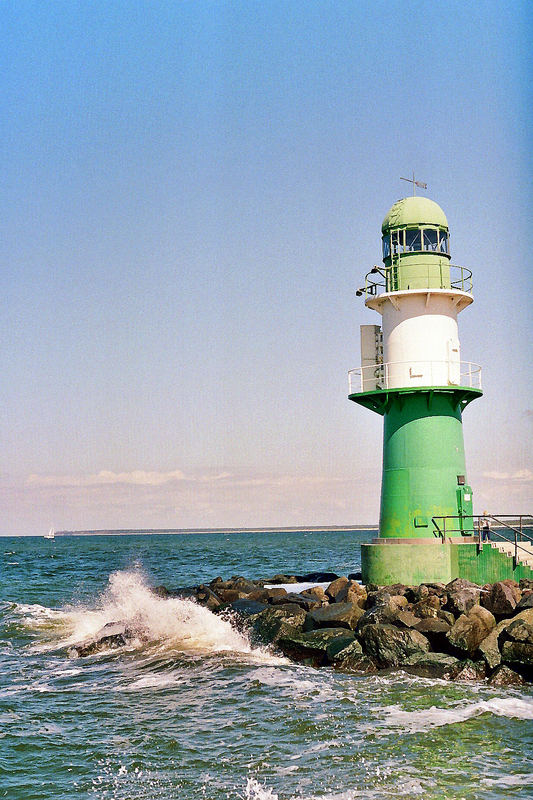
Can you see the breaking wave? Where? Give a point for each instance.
(171, 623)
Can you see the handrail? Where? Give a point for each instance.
(388, 278)
(518, 532)
(402, 374)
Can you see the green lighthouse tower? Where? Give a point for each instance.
(412, 374)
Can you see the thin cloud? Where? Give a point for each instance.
(107, 478)
(521, 475)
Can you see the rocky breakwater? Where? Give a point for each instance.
(458, 631)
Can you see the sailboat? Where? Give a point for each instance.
(50, 535)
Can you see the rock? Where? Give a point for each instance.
(427, 608)
(335, 587)
(500, 600)
(526, 583)
(415, 594)
(435, 630)
(382, 614)
(391, 647)
(489, 649)
(299, 599)
(340, 615)
(518, 653)
(504, 676)
(352, 592)
(432, 665)
(112, 635)
(283, 579)
(355, 576)
(247, 608)
(317, 594)
(519, 631)
(470, 629)
(229, 595)
(276, 594)
(319, 577)
(405, 619)
(447, 616)
(383, 595)
(208, 598)
(260, 595)
(468, 671)
(271, 623)
(352, 660)
(460, 601)
(526, 601)
(312, 647)
(242, 584)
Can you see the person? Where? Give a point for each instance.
(485, 527)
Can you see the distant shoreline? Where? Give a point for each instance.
(185, 531)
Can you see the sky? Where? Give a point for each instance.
(192, 191)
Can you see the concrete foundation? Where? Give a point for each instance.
(412, 562)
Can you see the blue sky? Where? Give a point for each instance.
(192, 192)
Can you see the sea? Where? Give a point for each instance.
(195, 710)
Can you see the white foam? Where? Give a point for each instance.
(174, 624)
(254, 791)
(434, 717)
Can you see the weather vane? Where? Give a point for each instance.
(415, 183)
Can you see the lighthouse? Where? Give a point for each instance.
(413, 374)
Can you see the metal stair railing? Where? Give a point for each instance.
(523, 520)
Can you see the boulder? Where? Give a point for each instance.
(352, 659)
(462, 599)
(271, 623)
(389, 646)
(519, 631)
(352, 592)
(242, 584)
(526, 583)
(319, 577)
(489, 648)
(385, 612)
(229, 595)
(415, 594)
(311, 648)
(468, 671)
(432, 665)
(355, 576)
(206, 597)
(435, 630)
(427, 608)
(470, 629)
(282, 579)
(246, 607)
(405, 619)
(276, 594)
(504, 676)
(526, 601)
(338, 615)
(260, 595)
(112, 635)
(335, 587)
(301, 600)
(518, 653)
(317, 594)
(499, 599)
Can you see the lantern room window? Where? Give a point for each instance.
(430, 239)
(443, 242)
(386, 246)
(413, 240)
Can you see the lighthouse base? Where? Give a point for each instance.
(411, 562)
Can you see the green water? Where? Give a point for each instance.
(197, 712)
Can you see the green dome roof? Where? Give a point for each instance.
(414, 211)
